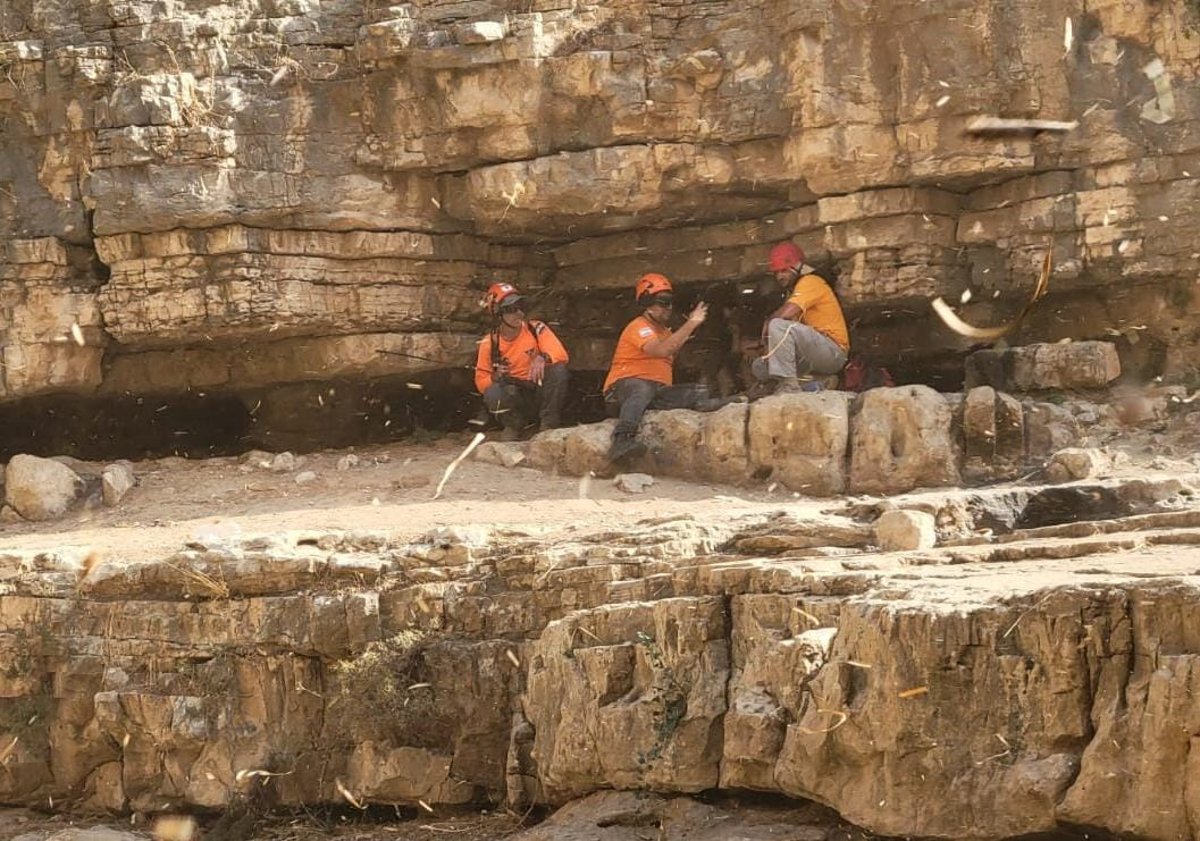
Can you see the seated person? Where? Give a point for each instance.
(521, 368)
(806, 336)
(641, 376)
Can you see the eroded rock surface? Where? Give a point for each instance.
(239, 194)
(973, 690)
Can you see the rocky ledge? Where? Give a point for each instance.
(1035, 668)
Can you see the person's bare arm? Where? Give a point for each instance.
(669, 346)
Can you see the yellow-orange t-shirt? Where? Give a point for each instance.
(819, 309)
(629, 360)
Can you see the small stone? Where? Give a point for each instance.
(346, 462)
(9, 515)
(633, 483)
(305, 477)
(257, 458)
(413, 480)
(898, 531)
(501, 453)
(116, 481)
(283, 463)
(1074, 464)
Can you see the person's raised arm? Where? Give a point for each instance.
(669, 346)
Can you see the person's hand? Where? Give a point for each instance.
(698, 314)
(537, 369)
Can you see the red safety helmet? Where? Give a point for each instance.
(652, 284)
(784, 256)
(499, 294)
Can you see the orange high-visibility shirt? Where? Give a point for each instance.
(819, 309)
(535, 337)
(629, 360)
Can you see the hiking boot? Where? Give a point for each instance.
(711, 404)
(625, 449)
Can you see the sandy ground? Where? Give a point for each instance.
(390, 489)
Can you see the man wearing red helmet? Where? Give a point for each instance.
(642, 374)
(806, 336)
(521, 367)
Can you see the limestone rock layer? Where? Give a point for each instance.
(990, 688)
(227, 195)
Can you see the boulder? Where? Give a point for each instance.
(547, 449)
(901, 439)
(1049, 428)
(1037, 367)
(40, 488)
(306, 477)
(993, 426)
(673, 443)
(116, 481)
(800, 440)
(346, 462)
(898, 531)
(638, 702)
(1074, 464)
(723, 441)
(585, 449)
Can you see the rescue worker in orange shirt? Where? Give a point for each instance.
(521, 367)
(806, 336)
(641, 376)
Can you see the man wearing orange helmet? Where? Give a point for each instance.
(641, 376)
(521, 367)
(806, 335)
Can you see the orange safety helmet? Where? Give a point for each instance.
(652, 284)
(498, 294)
(784, 256)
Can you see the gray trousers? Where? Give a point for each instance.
(797, 350)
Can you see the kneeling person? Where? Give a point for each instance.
(806, 336)
(641, 376)
(521, 367)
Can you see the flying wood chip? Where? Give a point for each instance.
(961, 327)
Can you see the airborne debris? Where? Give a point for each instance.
(915, 692)
(984, 125)
(475, 442)
(962, 328)
(516, 661)
(942, 101)
(841, 719)
(345, 792)
(174, 828)
(1068, 37)
(77, 334)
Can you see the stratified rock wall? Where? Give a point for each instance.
(992, 689)
(274, 190)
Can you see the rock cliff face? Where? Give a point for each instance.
(995, 687)
(227, 196)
